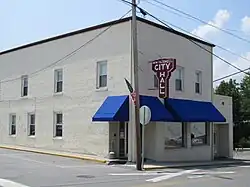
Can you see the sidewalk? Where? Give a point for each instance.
(171, 165)
(57, 153)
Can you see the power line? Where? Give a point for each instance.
(217, 56)
(200, 20)
(230, 75)
(68, 55)
(224, 77)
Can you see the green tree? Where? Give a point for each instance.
(232, 89)
(245, 92)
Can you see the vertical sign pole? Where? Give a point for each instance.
(136, 82)
(143, 135)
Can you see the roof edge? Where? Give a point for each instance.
(102, 26)
(91, 28)
(175, 32)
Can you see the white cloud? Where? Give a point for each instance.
(222, 69)
(219, 20)
(245, 24)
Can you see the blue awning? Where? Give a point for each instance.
(194, 111)
(114, 108)
(158, 110)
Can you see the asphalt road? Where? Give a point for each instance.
(23, 169)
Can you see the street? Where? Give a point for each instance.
(23, 169)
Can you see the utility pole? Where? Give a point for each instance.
(136, 84)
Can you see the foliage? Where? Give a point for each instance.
(240, 93)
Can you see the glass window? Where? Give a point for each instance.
(12, 124)
(58, 125)
(199, 133)
(58, 80)
(174, 135)
(31, 125)
(24, 84)
(156, 82)
(198, 82)
(179, 79)
(102, 74)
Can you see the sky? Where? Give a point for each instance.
(27, 21)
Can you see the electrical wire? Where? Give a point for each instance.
(69, 55)
(224, 77)
(200, 46)
(198, 19)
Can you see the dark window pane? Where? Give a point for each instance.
(59, 86)
(59, 130)
(156, 82)
(13, 130)
(32, 119)
(103, 81)
(13, 119)
(178, 84)
(59, 119)
(32, 130)
(25, 91)
(197, 87)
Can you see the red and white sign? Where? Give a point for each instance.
(163, 69)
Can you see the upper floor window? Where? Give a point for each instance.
(102, 74)
(58, 80)
(198, 81)
(179, 79)
(156, 82)
(24, 85)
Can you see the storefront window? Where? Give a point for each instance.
(199, 134)
(174, 135)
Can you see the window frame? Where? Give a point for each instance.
(11, 124)
(23, 86)
(156, 81)
(199, 82)
(183, 136)
(29, 124)
(206, 136)
(56, 125)
(57, 80)
(98, 78)
(179, 69)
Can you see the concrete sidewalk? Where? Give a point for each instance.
(57, 153)
(171, 165)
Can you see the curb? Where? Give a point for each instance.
(195, 165)
(56, 154)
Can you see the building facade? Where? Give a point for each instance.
(56, 99)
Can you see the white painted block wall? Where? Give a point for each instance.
(155, 43)
(80, 99)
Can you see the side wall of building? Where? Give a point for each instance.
(155, 43)
(80, 98)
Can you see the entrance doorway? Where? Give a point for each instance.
(123, 140)
(221, 141)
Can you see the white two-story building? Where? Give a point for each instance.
(53, 99)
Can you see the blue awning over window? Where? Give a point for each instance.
(194, 111)
(114, 108)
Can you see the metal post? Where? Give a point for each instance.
(143, 138)
(136, 85)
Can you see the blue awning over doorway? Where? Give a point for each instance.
(116, 108)
(193, 111)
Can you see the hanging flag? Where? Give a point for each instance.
(131, 90)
